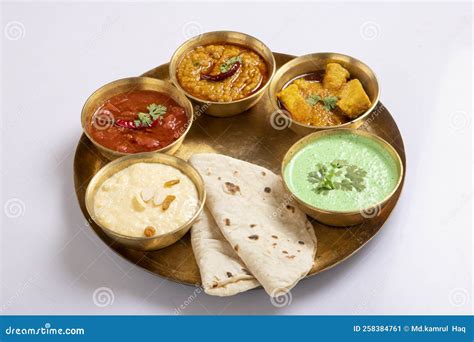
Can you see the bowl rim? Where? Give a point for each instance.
(176, 59)
(317, 135)
(151, 156)
(136, 79)
(283, 111)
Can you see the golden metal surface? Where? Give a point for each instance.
(346, 218)
(128, 84)
(251, 137)
(161, 240)
(315, 62)
(224, 109)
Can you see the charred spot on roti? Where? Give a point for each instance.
(236, 248)
(301, 242)
(231, 188)
(253, 237)
(214, 285)
(246, 271)
(285, 252)
(236, 173)
(298, 251)
(290, 256)
(267, 189)
(274, 244)
(253, 225)
(227, 221)
(229, 275)
(290, 207)
(263, 173)
(219, 178)
(274, 236)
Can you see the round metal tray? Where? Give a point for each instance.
(252, 137)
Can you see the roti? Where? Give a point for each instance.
(222, 271)
(259, 219)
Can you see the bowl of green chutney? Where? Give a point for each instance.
(342, 177)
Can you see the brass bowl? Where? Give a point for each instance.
(315, 62)
(158, 241)
(128, 84)
(224, 109)
(342, 218)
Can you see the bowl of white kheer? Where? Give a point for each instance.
(146, 201)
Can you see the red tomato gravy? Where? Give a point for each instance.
(103, 129)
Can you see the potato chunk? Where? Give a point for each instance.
(353, 100)
(295, 103)
(335, 77)
(294, 99)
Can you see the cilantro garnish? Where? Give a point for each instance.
(313, 99)
(224, 67)
(329, 101)
(338, 175)
(155, 112)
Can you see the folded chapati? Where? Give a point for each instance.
(258, 218)
(222, 271)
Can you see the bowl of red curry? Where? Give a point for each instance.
(135, 115)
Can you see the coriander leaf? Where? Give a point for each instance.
(337, 175)
(145, 119)
(224, 67)
(156, 111)
(330, 102)
(313, 99)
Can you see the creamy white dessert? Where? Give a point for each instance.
(146, 199)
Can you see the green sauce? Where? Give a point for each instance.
(365, 171)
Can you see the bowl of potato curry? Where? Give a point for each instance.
(324, 90)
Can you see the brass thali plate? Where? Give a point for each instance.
(249, 136)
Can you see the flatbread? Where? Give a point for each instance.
(222, 271)
(260, 220)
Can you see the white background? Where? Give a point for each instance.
(54, 55)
